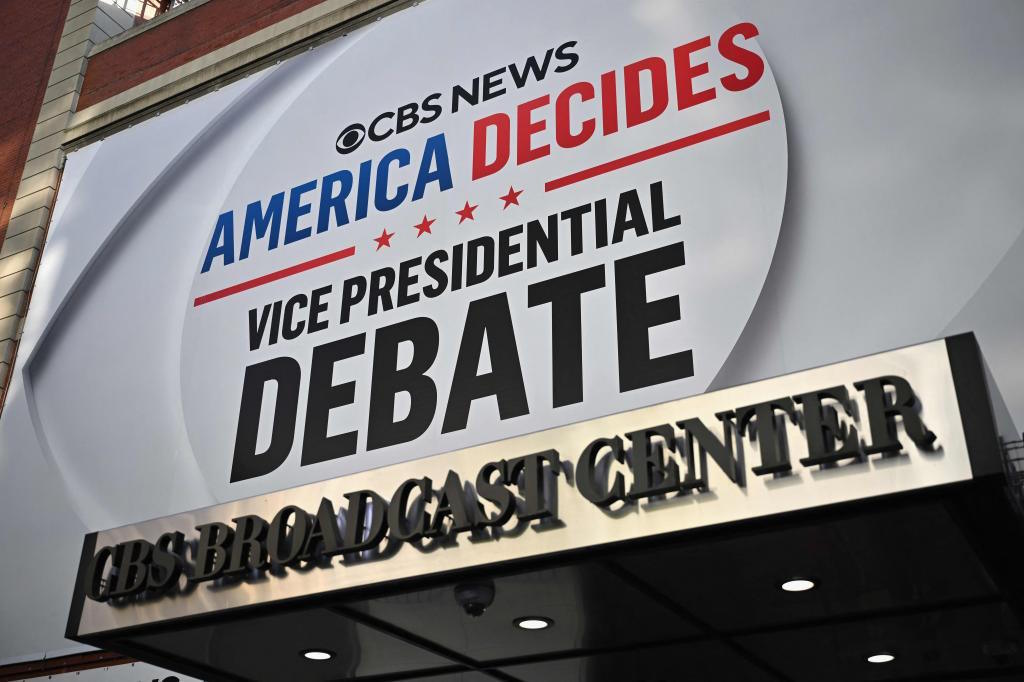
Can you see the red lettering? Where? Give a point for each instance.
(635, 112)
(686, 72)
(526, 128)
(563, 135)
(609, 104)
(645, 90)
(502, 128)
(742, 56)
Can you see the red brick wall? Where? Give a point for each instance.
(31, 32)
(178, 41)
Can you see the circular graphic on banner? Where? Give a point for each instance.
(478, 220)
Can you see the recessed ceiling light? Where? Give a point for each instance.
(318, 654)
(798, 585)
(881, 657)
(534, 623)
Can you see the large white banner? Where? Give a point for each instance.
(528, 242)
(427, 235)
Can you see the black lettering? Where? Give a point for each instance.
(212, 551)
(381, 282)
(324, 538)
(496, 493)
(883, 408)
(635, 316)
(408, 117)
(451, 502)
(372, 130)
(366, 520)
(700, 440)
(324, 396)
(588, 469)
(537, 505)
(659, 221)
(398, 511)
(531, 66)
(461, 93)
(389, 380)
(601, 223)
(431, 106)
(245, 463)
(565, 295)
(291, 329)
(544, 238)
(821, 423)
(405, 280)
(258, 328)
(479, 260)
(352, 292)
(575, 218)
(436, 273)
(507, 249)
(168, 562)
(96, 587)
(492, 84)
(247, 549)
(565, 54)
(317, 307)
(487, 319)
(770, 434)
(132, 559)
(653, 474)
(285, 542)
(629, 216)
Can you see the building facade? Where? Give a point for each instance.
(419, 321)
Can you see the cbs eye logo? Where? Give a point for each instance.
(389, 123)
(350, 138)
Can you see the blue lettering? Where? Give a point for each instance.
(257, 222)
(297, 209)
(329, 200)
(263, 218)
(381, 200)
(435, 151)
(363, 197)
(223, 241)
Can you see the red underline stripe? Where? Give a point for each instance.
(274, 276)
(647, 154)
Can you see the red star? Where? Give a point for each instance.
(424, 227)
(466, 212)
(511, 198)
(384, 239)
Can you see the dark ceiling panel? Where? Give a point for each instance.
(945, 642)
(269, 648)
(705, 661)
(457, 677)
(591, 608)
(908, 556)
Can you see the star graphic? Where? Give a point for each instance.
(384, 239)
(511, 198)
(424, 226)
(466, 212)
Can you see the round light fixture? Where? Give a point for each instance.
(798, 585)
(534, 623)
(881, 657)
(318, 655)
